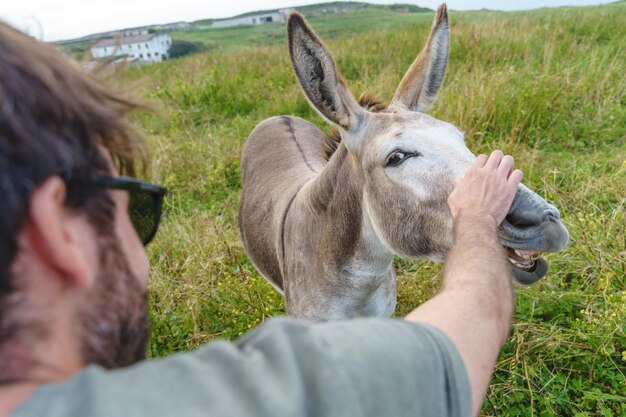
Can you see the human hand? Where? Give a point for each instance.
(487, 189)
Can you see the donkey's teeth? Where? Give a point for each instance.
(527, 254)
(525, 260)
(525, 266)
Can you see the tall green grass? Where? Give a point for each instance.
(547, 86)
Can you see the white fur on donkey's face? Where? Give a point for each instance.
(407, 201)
(438, 154)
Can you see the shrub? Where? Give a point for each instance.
(181, 48)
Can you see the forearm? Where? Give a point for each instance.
(475, 305)
(478, 266)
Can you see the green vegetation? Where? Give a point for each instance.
(182, 48)
(77, 50)
(328, 25)
(546, 86)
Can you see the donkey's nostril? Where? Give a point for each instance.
(523, 219)
(553, 214)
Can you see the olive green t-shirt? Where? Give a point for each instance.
(364, 367)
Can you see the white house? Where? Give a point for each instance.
(257, 19)
(150, 47)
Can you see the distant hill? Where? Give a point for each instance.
(328, 23)
(307, 10)
(319, 7)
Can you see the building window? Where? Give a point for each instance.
(141, 56)
(148, 54)
(146, 45)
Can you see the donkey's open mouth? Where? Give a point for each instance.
(524, 260)
(528, 266)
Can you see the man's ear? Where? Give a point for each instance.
(58, 237)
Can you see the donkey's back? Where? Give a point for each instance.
(280, 156)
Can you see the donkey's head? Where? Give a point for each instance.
(409, 161)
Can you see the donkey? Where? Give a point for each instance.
(322, 218)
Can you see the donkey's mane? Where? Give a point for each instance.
(369, 102)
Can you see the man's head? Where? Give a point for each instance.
(71, 263)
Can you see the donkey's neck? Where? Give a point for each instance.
(337, 194)
(351, 248)
(334, 199)
(339, 183)
(371, 274)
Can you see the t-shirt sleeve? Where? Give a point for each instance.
(364, 367)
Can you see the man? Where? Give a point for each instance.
(73, 276)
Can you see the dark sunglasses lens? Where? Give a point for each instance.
(143, 212)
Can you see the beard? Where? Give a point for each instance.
(113, 323)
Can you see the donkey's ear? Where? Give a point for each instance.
(418, 89)
(318, 76)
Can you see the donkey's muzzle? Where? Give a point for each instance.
(531, 227)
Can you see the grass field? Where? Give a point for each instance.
(547, 86)
(326, 25)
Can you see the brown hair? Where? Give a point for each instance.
(54, 120)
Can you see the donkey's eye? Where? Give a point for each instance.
(397, 157)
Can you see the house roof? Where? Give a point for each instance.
(123, 40)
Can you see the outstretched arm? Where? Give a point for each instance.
(475, 305)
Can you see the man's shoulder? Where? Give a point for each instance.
(360, 367)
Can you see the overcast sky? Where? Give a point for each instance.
(52, 20)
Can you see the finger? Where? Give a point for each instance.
(494, 159)
(506, 165)
(480, 161)
(515, 178)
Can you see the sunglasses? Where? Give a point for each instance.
(144, 206)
